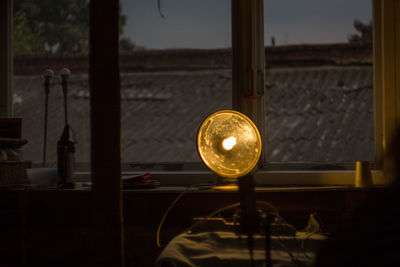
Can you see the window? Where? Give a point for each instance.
(249, 53)
(383, 117)
(319, 83)
(178, 72)
(51, 35)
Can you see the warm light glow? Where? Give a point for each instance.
(229, 143)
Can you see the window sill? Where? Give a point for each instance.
(262, 178)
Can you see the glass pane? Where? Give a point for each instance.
(175, 72)
(51, 35)
(319, 81)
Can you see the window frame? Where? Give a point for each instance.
(6, 53)
(386, 18)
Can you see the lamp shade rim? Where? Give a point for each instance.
(204, 158)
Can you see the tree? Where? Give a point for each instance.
(364, 35)
(26, 37)
(48, 26)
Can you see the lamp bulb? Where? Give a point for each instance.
(229, 143)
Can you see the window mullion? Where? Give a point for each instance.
(388, 64)
(6, 56)
(377, 65)
(248, 61)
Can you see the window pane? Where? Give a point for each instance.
(175, 72)
(319, 81)
(51, 35)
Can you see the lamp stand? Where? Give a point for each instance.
(250, 220)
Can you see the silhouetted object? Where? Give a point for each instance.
(66, 158)
(364, 35)
(363, 174)
(250, 219)
(47, 76)
(65, 73)
(372, 236)
(66, 144)
(159, 9)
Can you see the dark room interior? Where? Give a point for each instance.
(244, 144)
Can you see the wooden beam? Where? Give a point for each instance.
(6, 58)
(107, 219)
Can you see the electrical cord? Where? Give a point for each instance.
(294, 260)
(302, 245)
(212, 215)
(284, 221)
(168, 210)
(265, 203)
(231, 207)
(166, 213)
(275, 212)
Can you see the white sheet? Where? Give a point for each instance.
(227, 249)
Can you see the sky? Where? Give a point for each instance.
(207, 23)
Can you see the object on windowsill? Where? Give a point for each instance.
(11, 147)
(12, 142)
(43, 177)
(314, 225)
(11, 128)
(66, 144)
(13, 173)
(139, 181)
(66, 158)
(12, 167)
(363, 174)
(3, 155)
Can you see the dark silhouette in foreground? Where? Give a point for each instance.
(372, 236)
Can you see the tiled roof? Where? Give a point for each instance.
(195, 59)
(313, 114)
(320, 114)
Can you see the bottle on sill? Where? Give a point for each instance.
(66, 158)
(363, 174)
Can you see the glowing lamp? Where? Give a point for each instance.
(229, 143)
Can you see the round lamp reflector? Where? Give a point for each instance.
(229, 143)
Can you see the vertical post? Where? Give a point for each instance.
(107, 219)
(6, 58)
(390, 83)
(250, 220)
(377, 67)
(248, 55)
